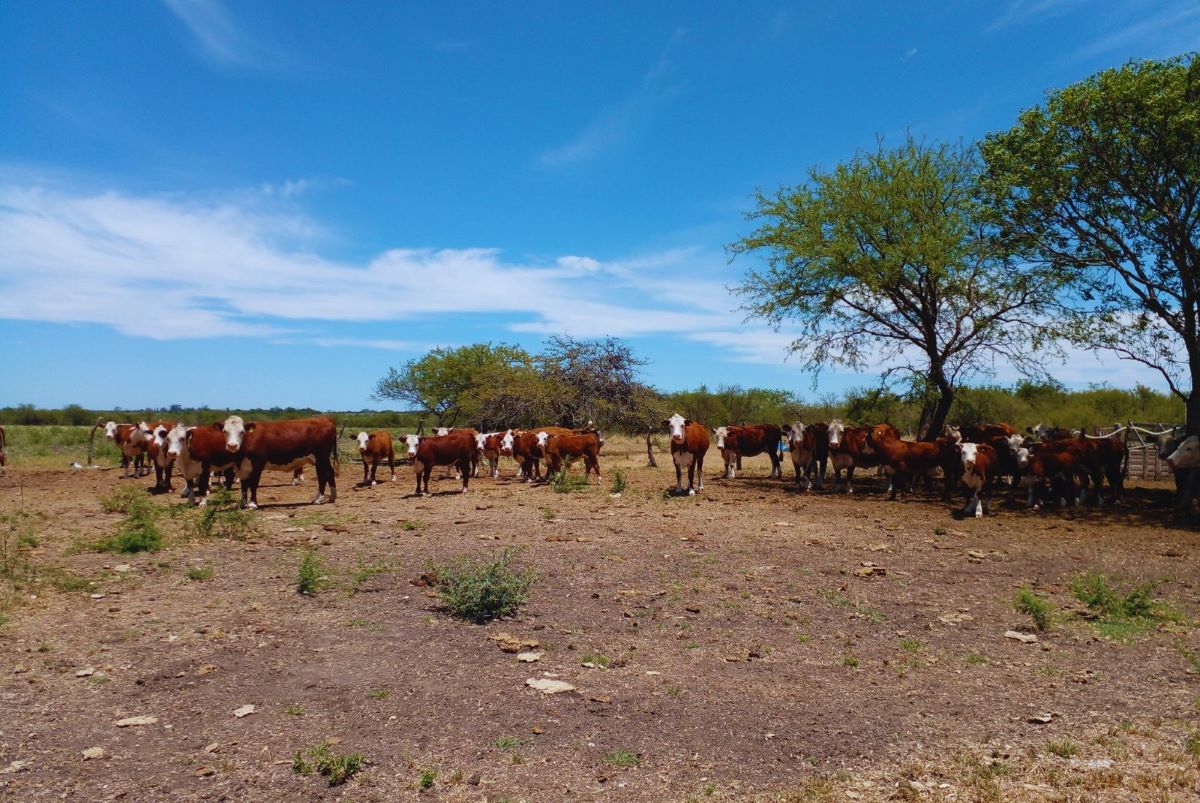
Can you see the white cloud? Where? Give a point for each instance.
(617, 124)
(218, 35)
(1174, 29)
(908, 54)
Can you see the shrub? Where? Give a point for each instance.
(338, 769)
(620, 482)
(1063, 749)
(1038, 608)
(123, 498)
(309, 579)
(138, 531)
(200, 573)
(479, 589)
(223, 518)
(622, 758)
(566, 482)
(426, 780)
(1095, 590)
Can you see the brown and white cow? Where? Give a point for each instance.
(689, 444)
(197, 452)
(491, 447)
(456, 449)
(849, 450)
(561, 448)
(978, 461)
(906, 459)
(980, 433)
(808, 447)
(527, 453)
(374, 448)
(736, 442)
(133, 441)
(163, 460)
(259, 443)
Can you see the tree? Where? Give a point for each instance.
(594, 380)
(887, 261)
(1102, 185)
(442, 381)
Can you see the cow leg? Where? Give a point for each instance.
(325, 477)
(699, 464)
(366, 472)
(392, 463)
(679, 479)
(428, 470)
(465, 468)
(850, 480)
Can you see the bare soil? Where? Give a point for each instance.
(761, 643)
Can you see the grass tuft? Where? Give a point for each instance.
(319, 758)
(619, 482)
(310, 576)
(622, 758)
(1037, 607)
(480, 589)
(138, 531)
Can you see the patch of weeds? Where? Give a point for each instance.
(18, 536)
(358, 622)
(426, 779)
(138, 531)
(45, 647)
(319, 758)
(223, 518)
(548, 514)
(1038, 608)
(1191, 658)
(1120, 614)
(200, 573)
(379, 694)
(600, 661)
(911, 645)
(310, 578)
(674, 691)
(484, 588)
(1063, 749)
(565, 482)
(803, 638)
(691, 645)
(294, 709)
(622, 758)
(62, 580)
(122, 498)
(838, 599)
(1192, 745)
(408, 525)
(872, 615)
(619, 482)
(850, 660)
(507, 743)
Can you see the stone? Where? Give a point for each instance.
(93, 753)
(548, 686)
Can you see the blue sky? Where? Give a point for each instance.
(243, 204)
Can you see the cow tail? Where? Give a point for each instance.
(337, 457)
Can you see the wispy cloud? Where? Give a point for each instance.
(219, 37)
(617, 124)
(908, 54)
(1020, 12)
(1174, 29)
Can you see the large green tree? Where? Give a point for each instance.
(1101, 183)
(887, 262)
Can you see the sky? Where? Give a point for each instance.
(268, 204)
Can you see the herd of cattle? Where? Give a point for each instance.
(1050, 463)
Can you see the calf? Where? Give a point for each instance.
(808, 446)
(163, 460)
(133, 441)
(558, 447)
(526, 450)
(1060, 468)
(749, 441)
(491, 446)
(374, 447)
(260, 443)
(978, 461)
(849, 449)
(906, 459)
(455, 449)
(689, 444)
(197, 451)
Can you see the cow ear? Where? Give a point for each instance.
(687, 422)
(250, 427)
(217, 425)
(666, 423)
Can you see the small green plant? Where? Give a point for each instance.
(426, 780)
(1192, 745)
(310, 578)
(138, 531)
(622, 758)
(45, 647)
(18, 536)
(565, 482)
(548, 513)
(975, 659)
(507, 742)
(123, 498)
(294, 709)
(1036, 607)
(379, 694)
(1062, 749)
(619, 482)
(319, 758)
(411, 524)
(1120, 614)
(484, 588)
(200, 573)
(366, 571)
(850, 660)
(222, 517)
(911, 645)
(598, 661)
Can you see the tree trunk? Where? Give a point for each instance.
(941, 410)
(650, 449)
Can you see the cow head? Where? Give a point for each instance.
(954, 432)
(176, 438)
(412, 442)
(442, 431)
(795, 433)
(722, 433)
(675, 425)
(160, 436)
(235, 431)
(970, 452)
(506, 444)
(363, 439)
(1187, 455)
(110, 430)
(1022, 455)
(542, 438)
(879, 433)
(836, 430)
(480, 441)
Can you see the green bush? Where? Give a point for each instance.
(620, 482)
(479, 589)
(138, 531)
(1038, 608)
(1095, 590)
(124, 498)
(223, 518)
(310, 577)
(565, 482)
(338, 769)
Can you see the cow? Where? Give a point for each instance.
(558, 447)
(1185, 455)
(980, 433)
(978, 460)
(808, 446)
(1059, 467)
(736, 442)
(198, 451)
(442, 432)
(456, 449)
(527, 452)
(689, 444)
(906, 459)
(133, 441)
(374, 447)
(491, 446)
(1091, 461)
(164, 461)
(3, 453)
(1044, 434)
(849, 449)
(259, 443)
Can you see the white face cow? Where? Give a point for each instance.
(480, 440)
(176, 438)
(675, 425)
(506, 444)
(110, 430)
(442, 431)
(721, 433)
(542, 437)
(969, 452)
(795, 434)
(362, 439)
(235, 430)
(1187, 455)
(160, 436)
(836, 428)
(412, 441)
(1022, 454)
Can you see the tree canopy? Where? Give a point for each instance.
(1101, 184)
(888, 261)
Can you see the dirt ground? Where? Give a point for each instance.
(761, 643)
